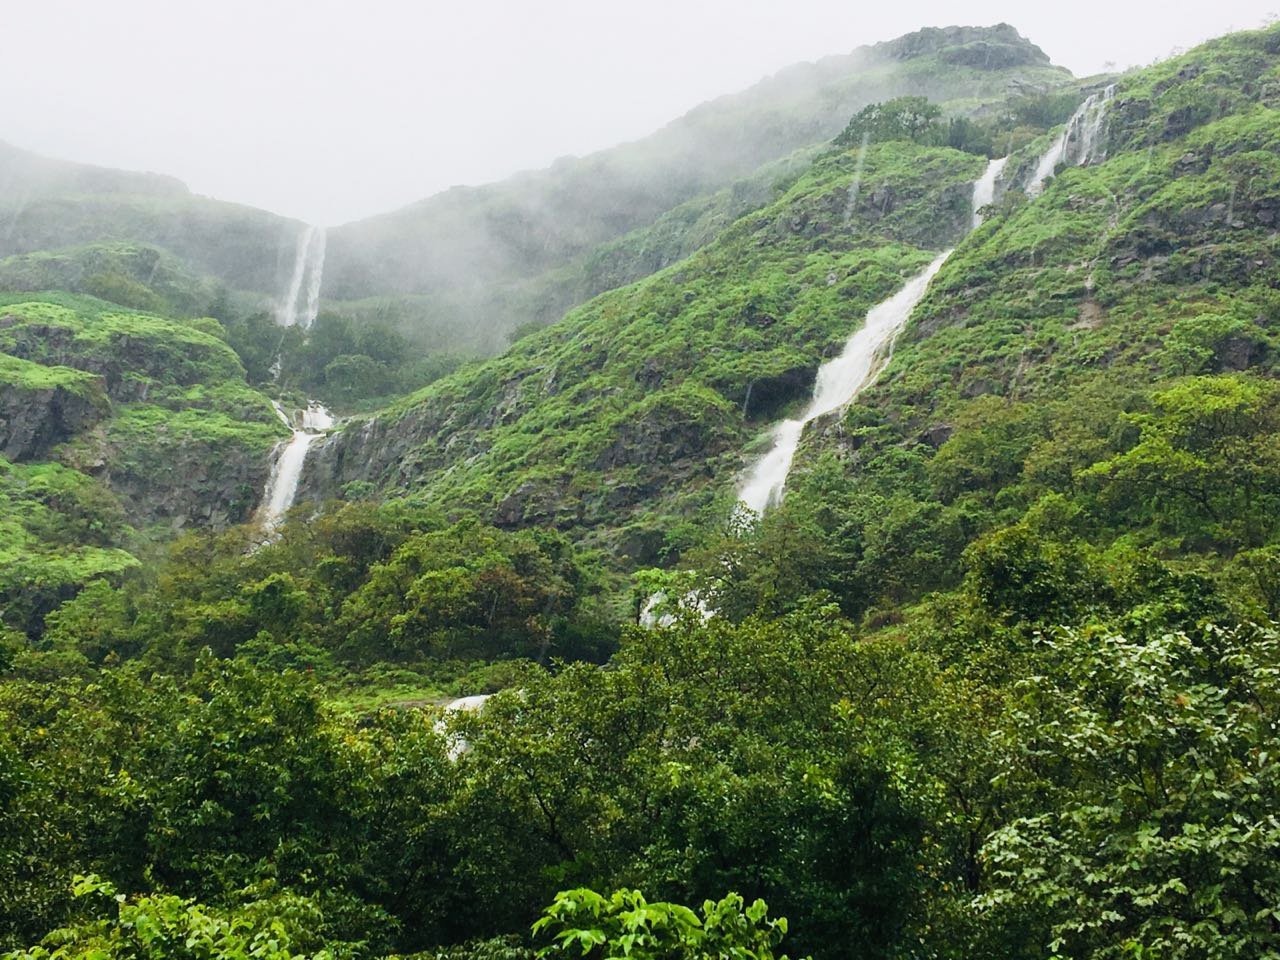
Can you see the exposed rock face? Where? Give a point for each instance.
(987, 48)
(381, 451)
(765, 396)
(193, 487)
(33, 421)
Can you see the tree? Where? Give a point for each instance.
(582, 923)
(1205, 466)
(903, 118)
(1155, 765)
(166, 927)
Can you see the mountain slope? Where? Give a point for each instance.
(115, 427)
(627, 418)
(47, 205)
(1089, 389)
(464, 269)
(483, 259)
(648, 393)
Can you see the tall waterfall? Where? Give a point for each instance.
(286, 470)
(308, 267)
(1079, 143)
(842, 379)
(984, 189)
(839, 381)
(315, 271)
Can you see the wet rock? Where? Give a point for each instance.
(33, 421)
(511, 511)
(186, 485)
(938, 434)
(763, 396)
(1236, 353)
(641, 545)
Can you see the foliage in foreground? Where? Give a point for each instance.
(582, 923)
(165, 927)
(875, 795)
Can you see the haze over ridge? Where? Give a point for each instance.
(310, 111)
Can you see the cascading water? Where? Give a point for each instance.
(286, 471)
(839, 381)
(842, 379)
(1078, 144)
(457, 746)
(315, 272)
(984, 189)
(287, 310)
(308, 268)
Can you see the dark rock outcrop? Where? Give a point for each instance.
(35, 420)
(986, 48)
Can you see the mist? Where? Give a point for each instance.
(329, 111)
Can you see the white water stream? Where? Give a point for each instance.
(315, 269)
(1078, 144)
(308, 267)
(286, 470)
(840, 380)
(457, 745)
(984, 189)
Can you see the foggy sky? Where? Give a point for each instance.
(330, 111)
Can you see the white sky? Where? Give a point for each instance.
(329, 110)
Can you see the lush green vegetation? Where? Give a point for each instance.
(111, 422)
(878, 791)
(352, 363)
(633, 410)
(358, 588)
(134, 275)
(1000, 676)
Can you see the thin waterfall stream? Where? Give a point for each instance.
(308, 269)
(314, 421)
(1079, 143)
(840, 380)
(289, 458)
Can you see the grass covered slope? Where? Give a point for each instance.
(631, 411)
(112, 420)
(187, 441)
(1089, 389)
(134, 275)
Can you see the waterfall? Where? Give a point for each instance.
(1090, 127)
(286, 470)
(840, 380)
(470, 704)
(315, 271)
(308, 267)
(984, 189)
(457, 745)
(1079, 142)
(650, 618)
(287, 310)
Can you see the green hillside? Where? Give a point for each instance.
(115, 428)
(636, 407)
(1084, 364)
(133, 275)
(999, 676)
(484, 261)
